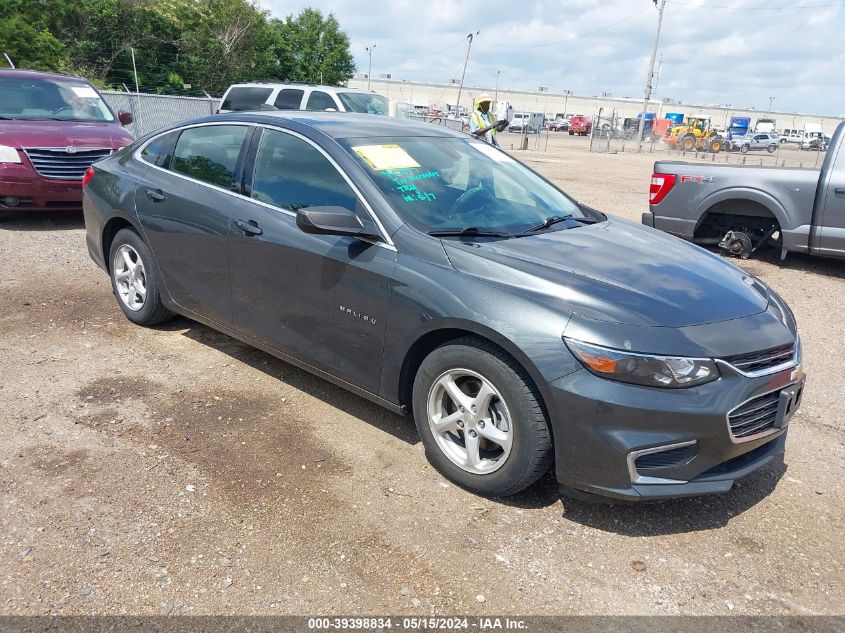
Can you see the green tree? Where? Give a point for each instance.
(313, 48)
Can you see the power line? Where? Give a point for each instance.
(576, 37)
(744, 8)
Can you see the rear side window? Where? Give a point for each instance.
(159, 151)
(209, 153)
(320, 101)
(289, 99)
(245, 98)
(292, 174)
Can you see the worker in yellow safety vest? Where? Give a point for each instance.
(482, 121)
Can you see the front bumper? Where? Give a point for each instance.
(601, 425)
(36, 193)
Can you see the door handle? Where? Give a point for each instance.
(839, 191)
(249, 228)
(155, 195)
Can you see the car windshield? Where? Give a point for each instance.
(364, 103)
(454, 184)
(34, 99)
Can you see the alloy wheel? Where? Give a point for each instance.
(470, 421)
(130, 279)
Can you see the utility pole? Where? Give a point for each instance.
(498, 72)
(370, 68)
(463, 74)
(137, 89)
(660, 4)
(565, 101)
(770, 104)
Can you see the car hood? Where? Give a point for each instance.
(80, 134)
(616, 271)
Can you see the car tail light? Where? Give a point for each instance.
(89, 174)
(661, 184)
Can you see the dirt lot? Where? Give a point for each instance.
(175, 470)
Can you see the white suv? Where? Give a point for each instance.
(278, 96)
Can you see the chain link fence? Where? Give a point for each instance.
(152, 112)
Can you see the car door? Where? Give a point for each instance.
(321, 298)
(831, 229)
(185, 207)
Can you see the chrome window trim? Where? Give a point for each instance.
(761, 434)
(637, 478)
(795, 361)
(387, 243)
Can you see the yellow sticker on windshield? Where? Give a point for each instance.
(381, 157)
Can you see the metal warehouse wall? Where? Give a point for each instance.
(441, 94)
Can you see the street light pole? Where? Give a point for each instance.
(463, 74)
(565, 101)
(770, 104)
(370, 69)
(661, 4)
(498, 72)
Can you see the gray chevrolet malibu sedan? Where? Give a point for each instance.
(435, 275)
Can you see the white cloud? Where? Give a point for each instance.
(740, 56)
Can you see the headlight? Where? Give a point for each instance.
(9, 154)
(643, 369)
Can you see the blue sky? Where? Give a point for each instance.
(737, 52)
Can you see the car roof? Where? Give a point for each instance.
(294, 84)
(340, 125)
(37, 74)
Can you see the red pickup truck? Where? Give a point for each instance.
(580, 124)
(52, 128)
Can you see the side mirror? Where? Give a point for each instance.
(125, 117)
(330, 221)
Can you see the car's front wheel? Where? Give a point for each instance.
(480, 419)
(134, 280)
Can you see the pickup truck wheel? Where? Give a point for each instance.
(479, 418)
(134, 280)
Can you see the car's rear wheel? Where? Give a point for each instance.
(134, 280)
(771, 148)
(480, 419)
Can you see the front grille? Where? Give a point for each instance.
(673, 458)
(758, 361)
(58, 164)
(755, 416)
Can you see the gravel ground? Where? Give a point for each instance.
(175, 470)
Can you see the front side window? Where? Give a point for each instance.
(159, 150)
(289, 99)
(291, 174)
(364, 103)
(209, 153)
(40, 99)
(320, 101)
(445, 184)
(245, 98)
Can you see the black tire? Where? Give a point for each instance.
(152, 312)
(744, 149)
(531, 453)
(771, 148)
(688, 143)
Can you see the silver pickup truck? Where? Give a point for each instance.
(743, 208)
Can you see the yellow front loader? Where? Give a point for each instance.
(695, 135)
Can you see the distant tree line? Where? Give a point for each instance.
(207, 44)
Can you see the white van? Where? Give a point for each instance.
(260, 95)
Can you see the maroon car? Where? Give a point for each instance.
(52, 128)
